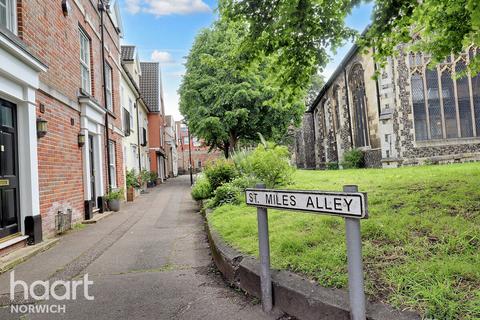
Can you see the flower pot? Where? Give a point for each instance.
(114, 205)
(130, 194)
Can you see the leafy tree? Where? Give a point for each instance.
(315, 87)
(225, 100)
(438, 27)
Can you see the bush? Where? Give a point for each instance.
(114, 195)
(244, 182)
(220, 172)
(270, 164)
(153, 177)
(202, 189)
(227, 193)
(353, 159)
(332, 165)
(144, 177)
(132, 179)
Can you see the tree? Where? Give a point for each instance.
(436, 27)
(225, 100)
(300, 32)
(315, 87)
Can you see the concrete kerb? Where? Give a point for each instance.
(292, 294)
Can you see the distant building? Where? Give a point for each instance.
(410, 115)
(200, 153)
(171, 147)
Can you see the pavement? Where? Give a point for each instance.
(151, 260)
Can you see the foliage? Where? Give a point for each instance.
(132, 179)
(298, 34)
(244, 182)
(143, 177)
(117, 194)
(420, 243)
(269, 163)
(353, 159)
(153, 176)
(225, 100)
(227, 193)
(219, 172)
(440, 27)
(202, 189)
(332, 166)
(316, 85)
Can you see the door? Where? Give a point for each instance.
(9, 193)
(91, 154)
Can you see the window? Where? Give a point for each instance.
(8, 14)
(336, 106)
(196, 142)
(108, 85)
(185, 140)
(444, 106)
(357, 84)
(130, 110)
(135, 156)
(85, 61)
(112, 163)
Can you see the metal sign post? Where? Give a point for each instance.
(264, 252)
(350, 204)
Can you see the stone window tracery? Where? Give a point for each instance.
(444, 106)
(357, 85)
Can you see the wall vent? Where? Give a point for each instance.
(63, 221)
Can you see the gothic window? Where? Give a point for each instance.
(444, 105)
(336, 107)
(357, 84)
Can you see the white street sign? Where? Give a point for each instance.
(345, 204)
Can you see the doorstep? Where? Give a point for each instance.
(97, 217)
(12, 259)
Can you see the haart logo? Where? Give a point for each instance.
(43, 290)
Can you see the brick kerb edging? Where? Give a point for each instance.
(292, 293)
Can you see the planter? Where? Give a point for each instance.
(159, 181)
(130, 194)
(151, 184)
(114, 205)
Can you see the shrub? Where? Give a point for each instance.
(114, 195)
(332, 165)
(220, 172)
(353, 159)
(227, 193)
(241, 160)
(132, 179)
(153, 177)
(244, 182)
(270, 164)
(144, 177)
(202, 189)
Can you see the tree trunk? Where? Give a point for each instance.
(226, 149)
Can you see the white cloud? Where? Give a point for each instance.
(163, 57)
(166, 7)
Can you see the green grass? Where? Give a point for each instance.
(421, 243)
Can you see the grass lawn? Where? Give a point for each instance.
(421, 243)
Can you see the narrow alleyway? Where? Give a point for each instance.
(150, 261)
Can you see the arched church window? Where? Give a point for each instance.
(444, 105)
(357, 85)
(336, 106)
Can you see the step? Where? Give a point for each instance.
(11, 243)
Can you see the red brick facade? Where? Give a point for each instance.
(54, 38)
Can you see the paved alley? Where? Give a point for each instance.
(149, 261)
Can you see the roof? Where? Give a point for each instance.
(353, 50)
(150, 85)
(128, 53)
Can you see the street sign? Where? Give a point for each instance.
(344, 204)
(350, 204)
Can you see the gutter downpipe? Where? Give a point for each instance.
(101, 8)
(138, 137)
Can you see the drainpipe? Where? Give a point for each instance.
(348, 106)
(376, 85)
(101, 8)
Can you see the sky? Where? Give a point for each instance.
(164, 31)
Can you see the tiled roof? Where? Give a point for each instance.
(128, 53)
(150, 84)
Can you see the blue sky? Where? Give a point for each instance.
(164, 30)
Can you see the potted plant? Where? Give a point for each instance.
(152, 181)
(132, 184)
(144, 178)
(113, 198)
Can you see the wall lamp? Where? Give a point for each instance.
(41, 127)
(81, 140)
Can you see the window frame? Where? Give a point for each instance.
(418, 65)
(109, 87)
(112, 162)
(85, 65)
(11, 16)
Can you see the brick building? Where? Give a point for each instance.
(60, 112)
(410, 115)
(200, 153)
(152, 92)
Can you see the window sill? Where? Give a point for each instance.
(446, 142)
